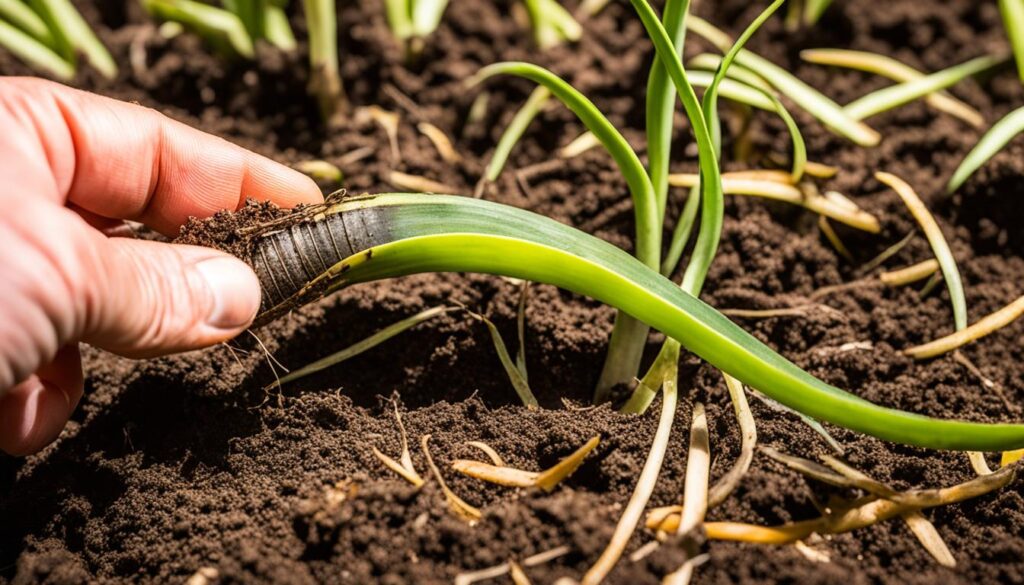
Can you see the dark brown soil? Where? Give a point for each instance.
(182, 463)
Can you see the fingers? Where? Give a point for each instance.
(151, 298)
(124, 161)
(34, 412)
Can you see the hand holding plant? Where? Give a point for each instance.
(74, 165)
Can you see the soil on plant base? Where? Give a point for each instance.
(184, 463)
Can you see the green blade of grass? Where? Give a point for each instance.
(510, 137)
(34, 53)
(252, 13)
(552, 24)
(414, 233)
(515, 375)
(426, 16)
(808, 98)
(661, 104)
(950, 272)
(681, 232)
(67, 25)
(363, 345)
(399, 14)
(625, 347)
(813, 9)
(991, 142)
(325, 79)
(278, 30)
(710, 101)
(711, 183)
(217, 26)
(902, 93)
(20, 16)
(641, 190)
(733, 89)
(1012, 12)
(895, 70)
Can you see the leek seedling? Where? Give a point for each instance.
(373, 237)
(895, 70)
(49, 35)
(552, 24)
(992, 142)
(522, 119)
(1012, 12)
(412, 21)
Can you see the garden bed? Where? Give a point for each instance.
(184, 463)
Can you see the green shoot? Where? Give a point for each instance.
(512, 134)
(49, 35)
(937, 241)
(221, 28)
(437, 233)
(813, 9)
(73, 35)
(34, 53)
(628, 336)
(411, 21)
(524, 295)
(19, 15)
(902, 93)
(681, 232)
(808, 98)
(363, 345)
(1012, 12)
(992, 142)
(324, 79)
(552, 24)
(661, 105)
(515, 375)
(895, 70)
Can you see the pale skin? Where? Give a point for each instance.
(73, 166)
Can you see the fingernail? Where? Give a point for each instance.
(235, 291)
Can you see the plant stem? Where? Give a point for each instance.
(325, 80)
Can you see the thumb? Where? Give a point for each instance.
(153, 298)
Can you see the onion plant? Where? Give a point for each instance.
(372, 237)
(412, 21)
(50, 35)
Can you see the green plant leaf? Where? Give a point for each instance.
(991, 142)
(34, 53)
(68, 26)
(1012, 12)
(20, 16)
(401, 234)
(808, 98)
(510, 137)
(894, 96)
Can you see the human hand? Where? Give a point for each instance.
(73, 164)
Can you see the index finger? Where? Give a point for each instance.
(124, 161)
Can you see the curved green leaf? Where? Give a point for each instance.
(992, 142)
(437, 233)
